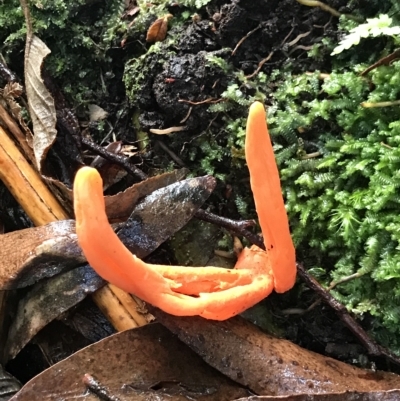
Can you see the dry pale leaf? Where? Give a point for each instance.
(41, 103)
(96, 113)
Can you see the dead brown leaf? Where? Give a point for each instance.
(268, 365)
(391, 395)
(28, 256)
(120, 206)
(158, 29)
(32, 254)
(140, 364)
(46, 301)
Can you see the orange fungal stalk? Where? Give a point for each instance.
(219, 293)
(266, 187)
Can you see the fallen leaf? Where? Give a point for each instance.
(140, 364)
(119, 207)
(268, 365)
(32, 254)
(40, 101)
(9, 385)
(390, 395)
(158, 29)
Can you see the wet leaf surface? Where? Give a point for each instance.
(119, 207)
(153, 221)
(140, 364)
(9, 385)
(268, 365)
(32, 254)
(391, 395)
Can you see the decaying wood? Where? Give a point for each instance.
(26, 185)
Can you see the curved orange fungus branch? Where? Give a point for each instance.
(219, 293)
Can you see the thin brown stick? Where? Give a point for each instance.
(383, 61)
(206, 101)
(123, 161)
(371, 346)
(15, 130)
(26, 185)
(244, 38)
(260, 65)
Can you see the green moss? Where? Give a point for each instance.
(344, 203)
(79, 35)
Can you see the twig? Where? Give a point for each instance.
(97, 388)
(208, 100)
(184, 119)
(380, 104)
(112, 157)
(321, 5)
(371, 346)
(333, 284)
(173, 156)
(311, 155)
(237, 227)
(260, 64)
(300, 36)
(166, 131)
(244, 38)
(325, 7)
(383, 61)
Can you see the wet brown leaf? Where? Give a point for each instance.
(41, 103)
(46, 301)
(119, 207)
(391, 395)
(268, 365)
(158, 29)
(140, 364)
(29, 255)
(9, 385)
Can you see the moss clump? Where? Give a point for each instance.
(340, 166)
(79, 34)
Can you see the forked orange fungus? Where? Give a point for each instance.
(211, 292)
